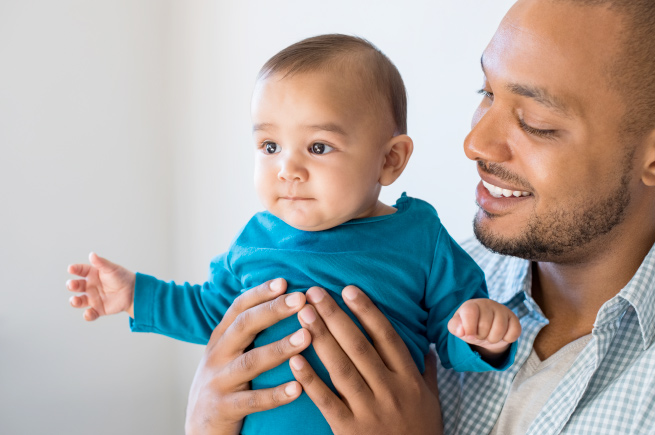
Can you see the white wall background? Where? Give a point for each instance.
(124, 129)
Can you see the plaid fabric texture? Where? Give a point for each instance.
(609, 389)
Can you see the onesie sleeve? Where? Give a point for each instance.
(185, 312)
(454, 279)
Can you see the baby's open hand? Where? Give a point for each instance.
(105, 288)
(487, 325)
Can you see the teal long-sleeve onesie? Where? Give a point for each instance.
(406, 262)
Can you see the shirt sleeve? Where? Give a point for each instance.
(454, 279)
(185, 312)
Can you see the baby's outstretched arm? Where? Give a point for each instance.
(105, 288)
(488, 326)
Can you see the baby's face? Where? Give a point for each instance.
(319, 149)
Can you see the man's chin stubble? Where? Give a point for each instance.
(561, 232)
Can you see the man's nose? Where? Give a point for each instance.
(489, 137)
(292, 168)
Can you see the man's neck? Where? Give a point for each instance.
(571, 294)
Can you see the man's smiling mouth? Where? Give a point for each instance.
(499, 192)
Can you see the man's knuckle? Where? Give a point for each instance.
(389, 335)
(361, 346)
(253, 401)
(325, 400)
(329, 310)
(279, 349)
(344, 367)
(247, 361)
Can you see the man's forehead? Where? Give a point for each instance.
(555, 52)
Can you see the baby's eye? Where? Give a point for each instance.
(271, 148)
(320, 148)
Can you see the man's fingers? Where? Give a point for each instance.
(388, 344)
(348, 336)
(330, 405)
(256, 361)
(243, 403)
(344, 374)
(248, 299)
(242, 331)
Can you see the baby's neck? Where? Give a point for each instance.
(381, 209)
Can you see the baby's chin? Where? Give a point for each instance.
(302, 223)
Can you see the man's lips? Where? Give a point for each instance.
(500, 191)
(496, 199)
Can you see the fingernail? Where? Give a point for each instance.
(350, 293)
(276, 285)
(291, 390)
(297, 339)
(293, 300)
(315, 294)
(68, 284)
(297, 363)
(308, 315)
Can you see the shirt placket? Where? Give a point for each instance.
(564, 400)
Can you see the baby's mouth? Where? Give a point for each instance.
(499, 192)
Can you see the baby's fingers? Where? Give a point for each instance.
(499, 328)
(90, 314)
(513, 329)
(76, 285)
(79, 269)
(79, 301)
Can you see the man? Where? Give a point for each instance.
(567, 122)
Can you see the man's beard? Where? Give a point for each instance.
(562, 231)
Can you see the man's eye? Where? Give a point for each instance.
(535, 131)
(271, 148)
(320, 148)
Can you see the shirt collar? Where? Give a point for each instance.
(640, 294)
(510, 282)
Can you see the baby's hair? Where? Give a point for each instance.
(337, 51)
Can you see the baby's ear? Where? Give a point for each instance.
(399, 149)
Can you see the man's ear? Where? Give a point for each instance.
(648, 174)
(399, 149)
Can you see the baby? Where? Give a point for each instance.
(329, 127)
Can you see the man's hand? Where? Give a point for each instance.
(487, 325)
(105, 288)
(380, 389)
(220, 395)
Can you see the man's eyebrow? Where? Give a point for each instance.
(540, 95)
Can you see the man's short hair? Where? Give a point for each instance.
(633, 72)
(379, 76)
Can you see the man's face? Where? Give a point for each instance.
(319, 149)
(556, 173)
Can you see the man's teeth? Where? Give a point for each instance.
(498, 192)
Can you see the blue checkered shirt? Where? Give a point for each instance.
(609, 389)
